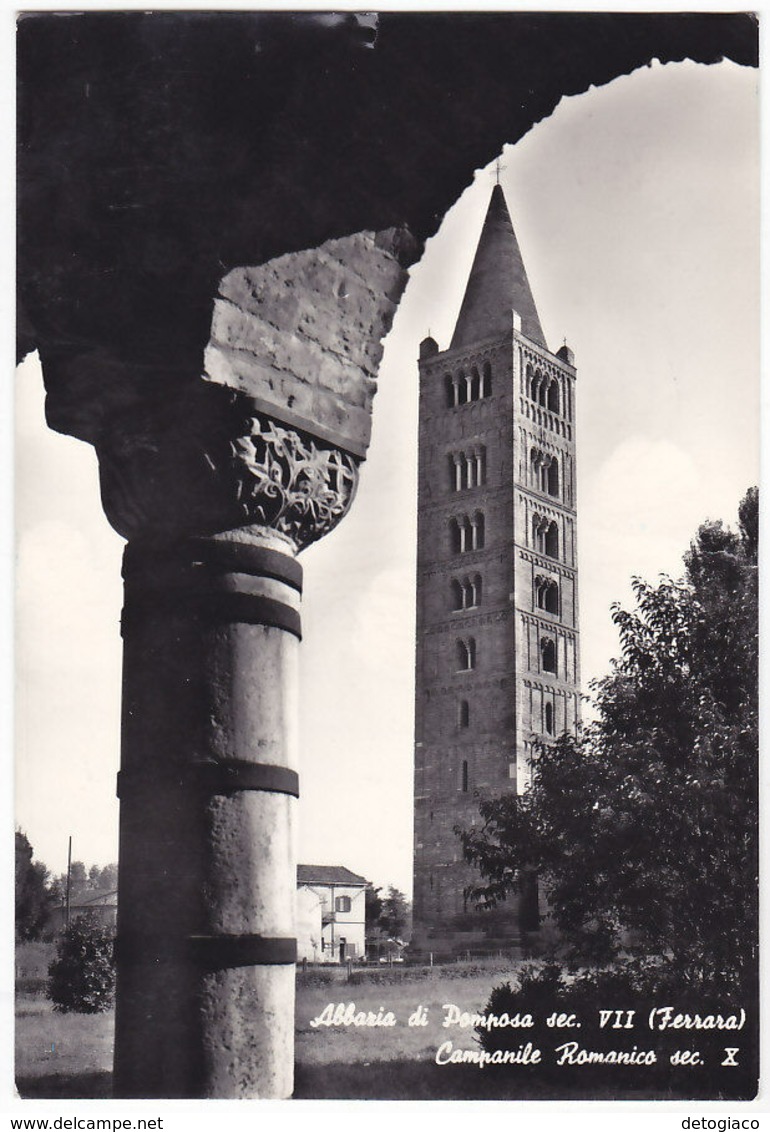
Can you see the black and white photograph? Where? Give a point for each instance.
(386, 491)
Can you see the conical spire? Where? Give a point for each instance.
(497, 284)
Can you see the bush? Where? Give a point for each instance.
(316, 977)
(636, 986)
(82, 976)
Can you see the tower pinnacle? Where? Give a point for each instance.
(497, 284)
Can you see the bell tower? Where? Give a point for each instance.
(497, 664)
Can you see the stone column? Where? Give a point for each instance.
(208, 787)
(216, 494)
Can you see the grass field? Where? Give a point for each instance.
(62, 1055)
(70, 1055)
(363, 1045)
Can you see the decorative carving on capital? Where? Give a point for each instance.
(218, 464)
(288, 481)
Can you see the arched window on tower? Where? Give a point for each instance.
(466, 654)
(456, 536)
(464, 777)
(452, 391)
(467, 593)
(552, 484)
(549, 718)
(475, 384)
(477, 531)
(486, 382)
(457, 595)
(548, 654)
(551, 547)
(481, 465)
(553, 396)
(535, 467)
(463, 714)
(547, 594)
(552, 598)
(541, 390)
(462, 388)
(469, 470)
(538, 540)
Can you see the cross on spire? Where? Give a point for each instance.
(498, 170)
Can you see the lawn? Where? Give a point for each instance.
(467, 988)
(398, 1062)
(70, 1055)
(62, 1055)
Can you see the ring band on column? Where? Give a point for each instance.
(212, 556)
(219, 606)
(211, 952)
(222, 777)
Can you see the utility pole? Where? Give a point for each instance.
(69, 872)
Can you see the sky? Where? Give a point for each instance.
(636, 208)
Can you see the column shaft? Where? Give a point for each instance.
(208, 787)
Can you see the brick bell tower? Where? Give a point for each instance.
(497, 663)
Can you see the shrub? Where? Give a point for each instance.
(82, 976)
(315, 977)
(624, 991)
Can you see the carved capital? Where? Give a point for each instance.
(292, 482)
(219, 464)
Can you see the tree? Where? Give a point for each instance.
(85, 883)
(373, 906)
(395, 913)
(644, 831)
(33, 899)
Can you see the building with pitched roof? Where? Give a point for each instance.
(331, 914)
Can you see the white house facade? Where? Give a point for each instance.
(331, 917)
